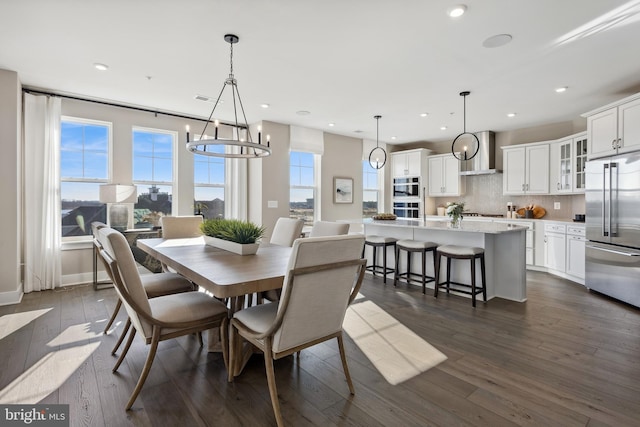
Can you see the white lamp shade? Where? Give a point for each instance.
(118, 193)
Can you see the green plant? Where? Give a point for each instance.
(454, 210)
(233, 230)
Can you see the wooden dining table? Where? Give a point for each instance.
(225, 274)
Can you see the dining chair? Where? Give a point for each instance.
(160, 318)
(155, 285)
(327, 228)
(180, 227)
(286, 231)
(324, 276)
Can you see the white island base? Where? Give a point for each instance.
(504, 246)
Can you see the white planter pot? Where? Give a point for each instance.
(236, 248)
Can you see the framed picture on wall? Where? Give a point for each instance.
(342, 190)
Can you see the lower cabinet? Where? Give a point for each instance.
(555, 247)
(575, 251)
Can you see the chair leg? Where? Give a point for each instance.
(224, 341)
(271, 380)
(473, 282)
(395, 275)
(122, 335)
(113, 316)
(484, 279)
(147, 366)
(375, 262)
(448, 273)
(235, 350)
(126, 349)
(436, 271)
(200, 339)
(345, 367)
(424, 272)
(384, 264)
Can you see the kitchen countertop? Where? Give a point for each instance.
(486, 227)
(489, 219)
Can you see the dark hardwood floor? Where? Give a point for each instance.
(566, 357)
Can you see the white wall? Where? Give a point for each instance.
(10, 188)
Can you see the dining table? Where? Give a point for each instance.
(226, 275)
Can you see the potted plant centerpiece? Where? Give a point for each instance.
(240, 237)
(454, 210)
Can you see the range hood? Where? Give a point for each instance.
(484, 162)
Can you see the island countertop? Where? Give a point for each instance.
(468, 226)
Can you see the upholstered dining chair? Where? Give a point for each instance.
(324, 276)
(286, 231)
(160, 318)
(327, 228)
(180, 227)
(155, 285)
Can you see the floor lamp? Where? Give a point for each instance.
(118, 198)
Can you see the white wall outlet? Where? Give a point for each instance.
(556, 205)
(272, 203)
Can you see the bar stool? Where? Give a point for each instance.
(412, 246)
(462, 252)
(379, 242)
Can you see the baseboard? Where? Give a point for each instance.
(12, 297)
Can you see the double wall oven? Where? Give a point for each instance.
(406, 197)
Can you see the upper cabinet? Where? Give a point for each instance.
(526, 169)
(444, 176)
(615, 128)
(567, 158)
(409, 162)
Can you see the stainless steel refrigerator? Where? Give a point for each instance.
(612, 200)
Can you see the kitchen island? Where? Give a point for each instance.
(504, 246)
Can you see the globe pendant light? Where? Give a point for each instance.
(377, 157)
(465, 146)
(248, 148)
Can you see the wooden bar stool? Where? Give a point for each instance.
(462, 252)
(412, 246)
(379, 242)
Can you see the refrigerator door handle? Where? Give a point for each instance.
(604, 199)
(613, 226)
(598, 248)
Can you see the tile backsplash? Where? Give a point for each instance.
(484, 195)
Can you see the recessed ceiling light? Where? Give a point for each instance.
(101, 67)
(511, 114)
(561, 89)
(443, 128)
(303, 113)
(265, 105)
(456, 11)
(424, 114)
(497, 40)
(332, 124)
(394, 138)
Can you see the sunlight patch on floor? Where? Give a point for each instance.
(10, 323)
(46, 375)
(396, 351)
(73, 334)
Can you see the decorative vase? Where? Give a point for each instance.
(236, 248)
(455, 221)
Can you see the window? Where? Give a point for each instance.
(302, 186)
(208, 178)
(152, 173)
(370, 190)
(84, 166)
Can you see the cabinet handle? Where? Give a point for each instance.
(613, 144)
(558, 185)
(619, 142)
(522, 187)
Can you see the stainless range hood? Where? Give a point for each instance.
(484, 162)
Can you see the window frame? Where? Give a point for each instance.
(377, 190)
(99, 181)
(316, 184)
(225, 177)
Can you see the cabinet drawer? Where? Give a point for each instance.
(576, 231)
(555, 228)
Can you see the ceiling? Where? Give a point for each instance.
(342, 61)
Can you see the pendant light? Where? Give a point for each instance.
(465, 146)
(377, 157)
(248, 148)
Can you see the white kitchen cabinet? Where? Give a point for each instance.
(567, 158)
(530, 241)
(615, 129)
(409, 162)
(555, 247)
(444, 176)
(526, 169)
(575, 251)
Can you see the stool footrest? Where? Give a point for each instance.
(379, 269)
(461, 287)
(407, 276)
